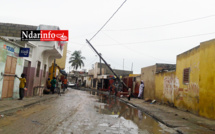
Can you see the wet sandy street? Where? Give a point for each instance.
(78, 112)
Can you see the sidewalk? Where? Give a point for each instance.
(183, 122)
(9, 106)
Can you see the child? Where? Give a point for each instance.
(22, 85)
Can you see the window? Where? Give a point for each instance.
(38, 69)
(186, 76)
(44, 71)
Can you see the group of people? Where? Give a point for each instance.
(63, 83)
(57, 83)
(51, 85)
(115, 87)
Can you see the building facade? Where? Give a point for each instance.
(148, 77)
(192, 86)
(10, 64)
(41, 56)
(100, 74)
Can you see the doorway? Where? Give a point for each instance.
(8, 81)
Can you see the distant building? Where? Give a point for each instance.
(98, 76)
(148, 77)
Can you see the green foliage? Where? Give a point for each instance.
(76, 60)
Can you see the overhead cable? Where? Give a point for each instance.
(108, 20)
(158, 40)
(163, 25)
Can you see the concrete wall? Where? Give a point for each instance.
(166, 86)
(187, 95)
(14, 30)
(148, 76)
(196, 96)
(19, 66)
(207, 79)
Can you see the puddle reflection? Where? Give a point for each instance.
(129, 116)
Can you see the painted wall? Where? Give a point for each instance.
(148, 76)
(198, 95)
(19, 67)
(187, 95)
(166, 87)
(207, 79)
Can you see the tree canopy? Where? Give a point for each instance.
(76, 60)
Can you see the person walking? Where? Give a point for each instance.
(22, 85)
(53, 84)
(141, 90)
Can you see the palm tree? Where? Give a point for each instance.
(76, 59)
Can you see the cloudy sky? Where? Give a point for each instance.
(143, 32)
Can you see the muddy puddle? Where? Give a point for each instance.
(129, 117)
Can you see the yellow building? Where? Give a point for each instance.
(59, 64)
(207, 79)
(192, 86)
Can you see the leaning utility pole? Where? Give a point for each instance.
(100, 64)
(106, 63)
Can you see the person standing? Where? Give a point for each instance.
(112, 88)
(141, 90)
(53, 84)
(22, 85)
(48, 86)
(65, 84)
(116, 89)
(129, 94)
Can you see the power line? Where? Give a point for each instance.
(108, 20)
(115, 41)
(158, 40)
(92, 61)
(163, 25)
(130, 49)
